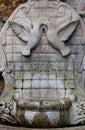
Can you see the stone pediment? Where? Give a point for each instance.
(39, 65)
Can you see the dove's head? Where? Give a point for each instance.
(39, 27)
(36, 24)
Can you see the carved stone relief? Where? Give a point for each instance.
(40, 67)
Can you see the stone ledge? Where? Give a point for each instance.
(3, 127)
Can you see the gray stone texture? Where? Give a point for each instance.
(21, 128)
(45, 72)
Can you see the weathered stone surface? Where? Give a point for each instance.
(22, 128)
(1, 24)
(40, 63)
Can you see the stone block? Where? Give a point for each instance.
(17, 57)
(37, 49)
(61, 66)
(44, 75)
(9, 57)
(44, 66)
(9, 49)
(28, 75)
(27, 84)
(52, 84)
(17, 48)
(34, 13)
(27, 66)
(48, 94)
(43, 57)
(78, 58)
(18, 84)
(60, 93)
(52, 13)
(78, 67)
(44, 41)
(60, 84)
(18, 66)
(60, 75)
(42, 4)
(75, 40)
(30, 94)
(59, 58)
(11, 66)
(38, 94)
(44, 84)
(36, 75)
(78, 32)
(52, 75)
(53, 66)
(70, 84)
(70, 75)
(27, 94)
(35, 66)
(9, 40)
(71, 66)
(47, 49)
(26, 59)
(77, 49)
(44, 12)
(36, 84)
(71, 58)
(36, 57)
(18, 75)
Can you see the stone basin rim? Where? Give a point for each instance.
(6, 127)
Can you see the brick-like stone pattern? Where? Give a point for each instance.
(46, 67)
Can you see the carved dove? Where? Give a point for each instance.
(64, 27)
(57, 38)
(27, 33)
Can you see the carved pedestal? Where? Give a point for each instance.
(39, 68)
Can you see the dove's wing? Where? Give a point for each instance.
(21, 31)
(65, 32)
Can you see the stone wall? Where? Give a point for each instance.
(45, 74)
(66, 67)
(46, 67)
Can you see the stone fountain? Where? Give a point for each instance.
(42, 63)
